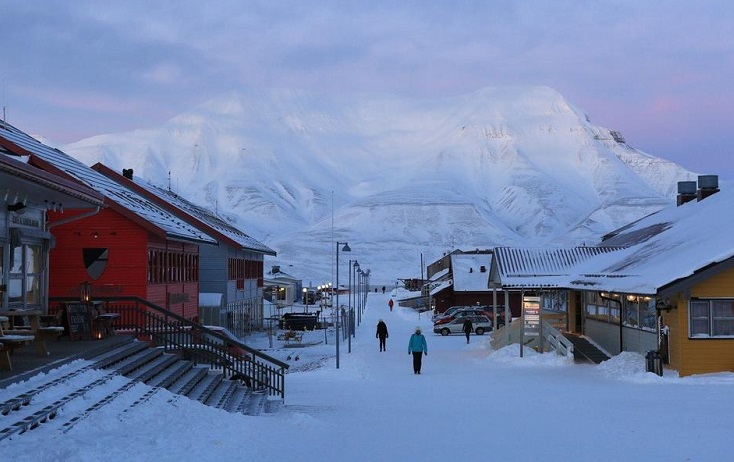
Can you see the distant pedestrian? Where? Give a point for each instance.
(467, 328)
(417, 347)
(382, 334)
(383, 289)
(390, 304)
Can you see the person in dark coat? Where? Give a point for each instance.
(467, 328)
(417, 347)
(381, 334)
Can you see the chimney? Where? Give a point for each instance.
(707, 185)
(686, 192)
(127, 173)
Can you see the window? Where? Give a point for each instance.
(556, 300)
(711, 318)
(639, 312)
(24, 277)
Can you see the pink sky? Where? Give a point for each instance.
(661, 76)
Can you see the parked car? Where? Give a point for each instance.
(481, 324)
(463, 312)
(448, 313)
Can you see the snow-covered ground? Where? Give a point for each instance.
(469, 403)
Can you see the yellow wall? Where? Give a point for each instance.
(700, 356)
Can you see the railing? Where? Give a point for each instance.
(507, 334)
(178, 335)
(512, 333)
(555, 339)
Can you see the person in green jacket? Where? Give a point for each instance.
(417, 347)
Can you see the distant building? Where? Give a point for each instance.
(234, 268)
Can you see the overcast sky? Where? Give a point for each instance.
(660, 72)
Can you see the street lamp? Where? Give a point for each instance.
(338, 312)
(355, 268)
(305, 298)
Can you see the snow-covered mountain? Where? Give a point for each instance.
(397, 178)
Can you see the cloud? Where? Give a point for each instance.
(633, 57)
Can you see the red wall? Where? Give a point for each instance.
(126, 270)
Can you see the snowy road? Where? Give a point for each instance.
(469, 403)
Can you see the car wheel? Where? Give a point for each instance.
(445, 332)
(480, 331)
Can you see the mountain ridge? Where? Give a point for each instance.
(299, 170)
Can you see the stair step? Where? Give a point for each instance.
(205, 387)
(221, 393)
(237, 399)
(129, 364)
(170, 375)
(188, 381)
(107, 359)
(254, 404)
(149, 370)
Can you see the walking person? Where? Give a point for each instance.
(467, 328)
(390, 304)
(381, 333)
(417, 347)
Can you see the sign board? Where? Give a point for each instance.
(78, 320)
(531, 316)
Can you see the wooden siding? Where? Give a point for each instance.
(700, 355)
(126, 244)
(179, 297)
(126, 269)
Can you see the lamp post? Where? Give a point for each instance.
(338, 313)
(305, 298)
(355, 268)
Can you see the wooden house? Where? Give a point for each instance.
(233, 269)
(664, 283)
(130, 247)
(28, 194)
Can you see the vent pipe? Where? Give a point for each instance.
(707, 185)
(686, 192)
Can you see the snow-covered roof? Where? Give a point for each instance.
(661, 250)
(205, 219)
(437, 287)
(539, 267)
(172, 226)
(38, 186)
(470, 272)
(439, 275)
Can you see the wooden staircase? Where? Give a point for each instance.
(139, 363)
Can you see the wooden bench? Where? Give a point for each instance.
(8, 344)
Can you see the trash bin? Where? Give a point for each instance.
(654, 362)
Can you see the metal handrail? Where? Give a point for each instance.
(193, 341)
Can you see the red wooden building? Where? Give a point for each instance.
(129, 247)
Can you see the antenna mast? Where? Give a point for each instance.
(169, 181)
(4, 105)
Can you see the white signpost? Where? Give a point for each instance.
(531, 322)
